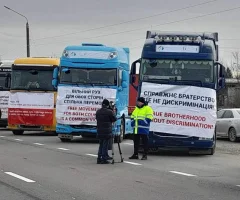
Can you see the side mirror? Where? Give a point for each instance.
(54, 83)
(125, 76)
(221, 82)
(221, 71)
(124, 84)
(134, 71)
(221, 75)
(55, 73)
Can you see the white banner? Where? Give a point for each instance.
(78, 105)
(4, 98)
(31, 100)
(182, 110)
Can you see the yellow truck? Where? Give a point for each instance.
(32, 100)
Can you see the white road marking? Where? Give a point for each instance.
(18, 140)
(20, 177)
(128, 143)
(132, 163)
(63, 149)
(39, 144)
(238, 185)
(2, 136)
(88, 154)
(181, 173)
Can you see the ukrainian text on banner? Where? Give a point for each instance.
(182, 110)
(78, 105)
(4, 97)
(31, 108)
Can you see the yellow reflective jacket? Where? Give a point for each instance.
(141, 119)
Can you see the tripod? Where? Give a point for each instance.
(119, 148)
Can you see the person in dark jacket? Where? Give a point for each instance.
(105, 117)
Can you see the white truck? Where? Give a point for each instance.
(5, 80)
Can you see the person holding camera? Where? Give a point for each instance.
(140, 121)
(105, 117)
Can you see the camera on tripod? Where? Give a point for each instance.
(112, 106)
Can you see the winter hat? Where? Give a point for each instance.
(141, 99)
(105, 102)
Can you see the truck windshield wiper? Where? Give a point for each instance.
(38, 89)
(104, 84)
(195, 81)
(158, 80)
(18, 88)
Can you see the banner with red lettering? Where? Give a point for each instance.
(182, 110)
(4, 98)
(78, 105)
(27, 108)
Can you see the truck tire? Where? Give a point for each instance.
(212, 151)
(18, 132)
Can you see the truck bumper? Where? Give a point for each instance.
(74, 130)
(31, 128)
(157, 141)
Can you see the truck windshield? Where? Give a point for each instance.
(27, 79)
(89, 76)
(185, 70)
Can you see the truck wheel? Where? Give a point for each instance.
(18, 132)
(65, 140)
(212, 150)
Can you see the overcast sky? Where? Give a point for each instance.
(55, 24)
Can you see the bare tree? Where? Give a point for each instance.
(235, 65)
(233, 88)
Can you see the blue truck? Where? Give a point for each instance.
(180, 76)
(87, 74)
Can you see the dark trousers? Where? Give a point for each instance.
(136, 140)
(103, 149)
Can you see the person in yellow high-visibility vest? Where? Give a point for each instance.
(140, 121)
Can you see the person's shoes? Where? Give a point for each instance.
(105, 162)
(109, 158)
(99, 161)
(134, 157)
(144, 157)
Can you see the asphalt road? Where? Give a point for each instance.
(38, 166)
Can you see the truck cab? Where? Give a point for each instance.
(89, 73)
(172, 65)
